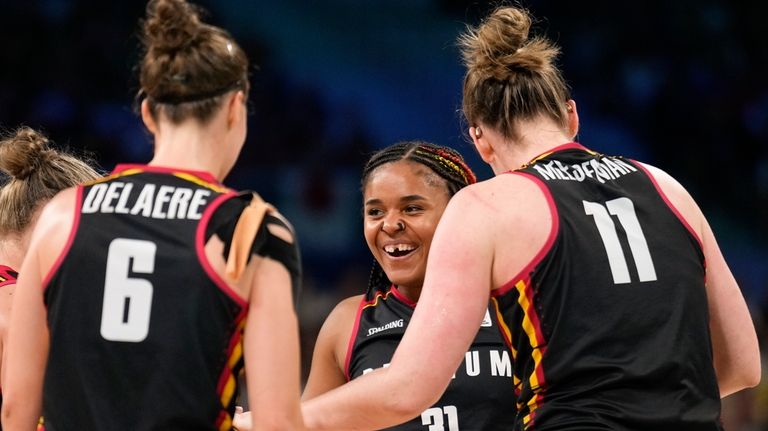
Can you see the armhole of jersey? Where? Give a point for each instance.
(249, 223)
(669, 203)
(547, 245)
(200, 248)
(352, 336)
(70, 239)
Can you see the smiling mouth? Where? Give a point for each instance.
(399, 250)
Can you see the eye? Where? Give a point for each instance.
(373, 212)
(413, 209)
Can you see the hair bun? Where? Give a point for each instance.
(171, 25)
(500, 46)
(22, 153)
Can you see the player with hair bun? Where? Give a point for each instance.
(134, 295)
(406, 188)
(35, 171)
(614, 297)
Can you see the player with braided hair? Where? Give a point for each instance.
(405, 189)
(607, 279)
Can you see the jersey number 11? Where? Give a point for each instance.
(624, 210)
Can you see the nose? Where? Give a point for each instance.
(392, 225)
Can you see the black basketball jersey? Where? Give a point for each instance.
(144, 335)
(609, 324)
(480, 396)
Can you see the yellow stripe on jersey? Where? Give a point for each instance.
(530, 331)
(201, 182)
(226, 424)
(508, 334)
(228, 391)
(131, 171)
(375, 300)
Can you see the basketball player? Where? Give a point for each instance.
(619, 308)
(405, 190)
(35, 173)
(133, 298)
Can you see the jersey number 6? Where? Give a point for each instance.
(127, 301)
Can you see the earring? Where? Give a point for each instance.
(478, 133)
(569, 108)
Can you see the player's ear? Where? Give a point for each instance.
(147, 118)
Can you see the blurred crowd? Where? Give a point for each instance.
(680, 85)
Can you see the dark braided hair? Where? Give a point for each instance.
(443, 161)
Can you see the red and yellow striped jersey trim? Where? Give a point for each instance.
(535, 338)
(375, 301)
(201, 182)
(186, 176)
(224, 422)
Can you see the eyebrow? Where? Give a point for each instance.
(404, 199)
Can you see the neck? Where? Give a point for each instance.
(536, 137)
(189, 145)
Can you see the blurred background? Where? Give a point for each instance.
(681, 85)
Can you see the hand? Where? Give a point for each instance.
(242, 420)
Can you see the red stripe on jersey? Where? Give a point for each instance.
(70, 240)
(397, 294)
(668, 202)
(531, 323)
(353, 335)
(363, 305)
(555, 228)
(228, 380)
(205, 176)
(7, 275)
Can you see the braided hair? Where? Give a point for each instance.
(446, 162)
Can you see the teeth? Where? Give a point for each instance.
(398, 247)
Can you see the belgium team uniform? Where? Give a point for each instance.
(144, 334)
(479, 398)
(609, 324)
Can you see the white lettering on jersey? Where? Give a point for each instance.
(500, 363)
(167, 202)
(394, 324)
(602, 170)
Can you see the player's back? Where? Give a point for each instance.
(611, 325)
(144, 335)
